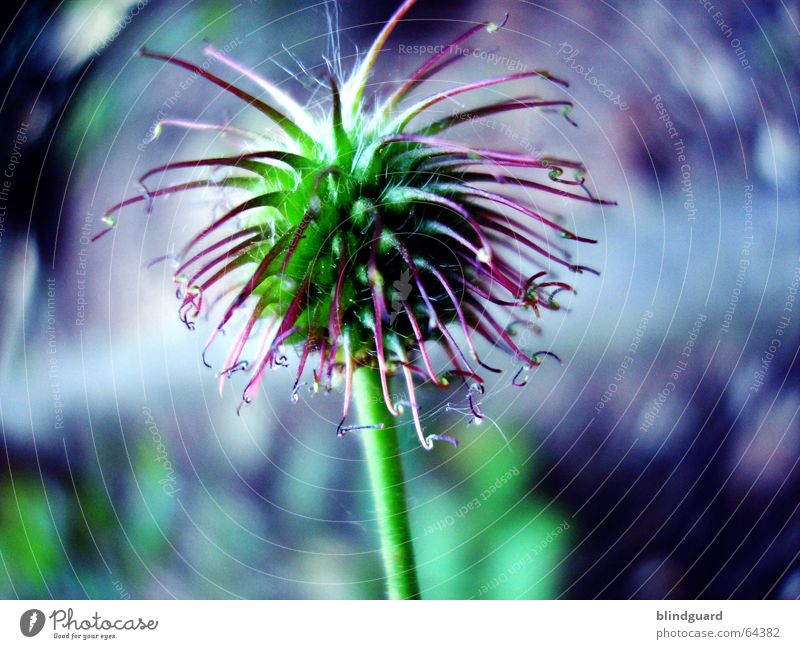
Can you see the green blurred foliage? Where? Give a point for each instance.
(93, 536)
(480, 532)
(29, 541)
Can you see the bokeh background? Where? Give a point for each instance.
(659, 460)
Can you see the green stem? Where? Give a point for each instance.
(382, 453)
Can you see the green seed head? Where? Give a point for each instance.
(363, 236)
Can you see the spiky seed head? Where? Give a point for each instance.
(366, 234)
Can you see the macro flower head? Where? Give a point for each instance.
(363, 234)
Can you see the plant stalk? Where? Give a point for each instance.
(382, 453)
